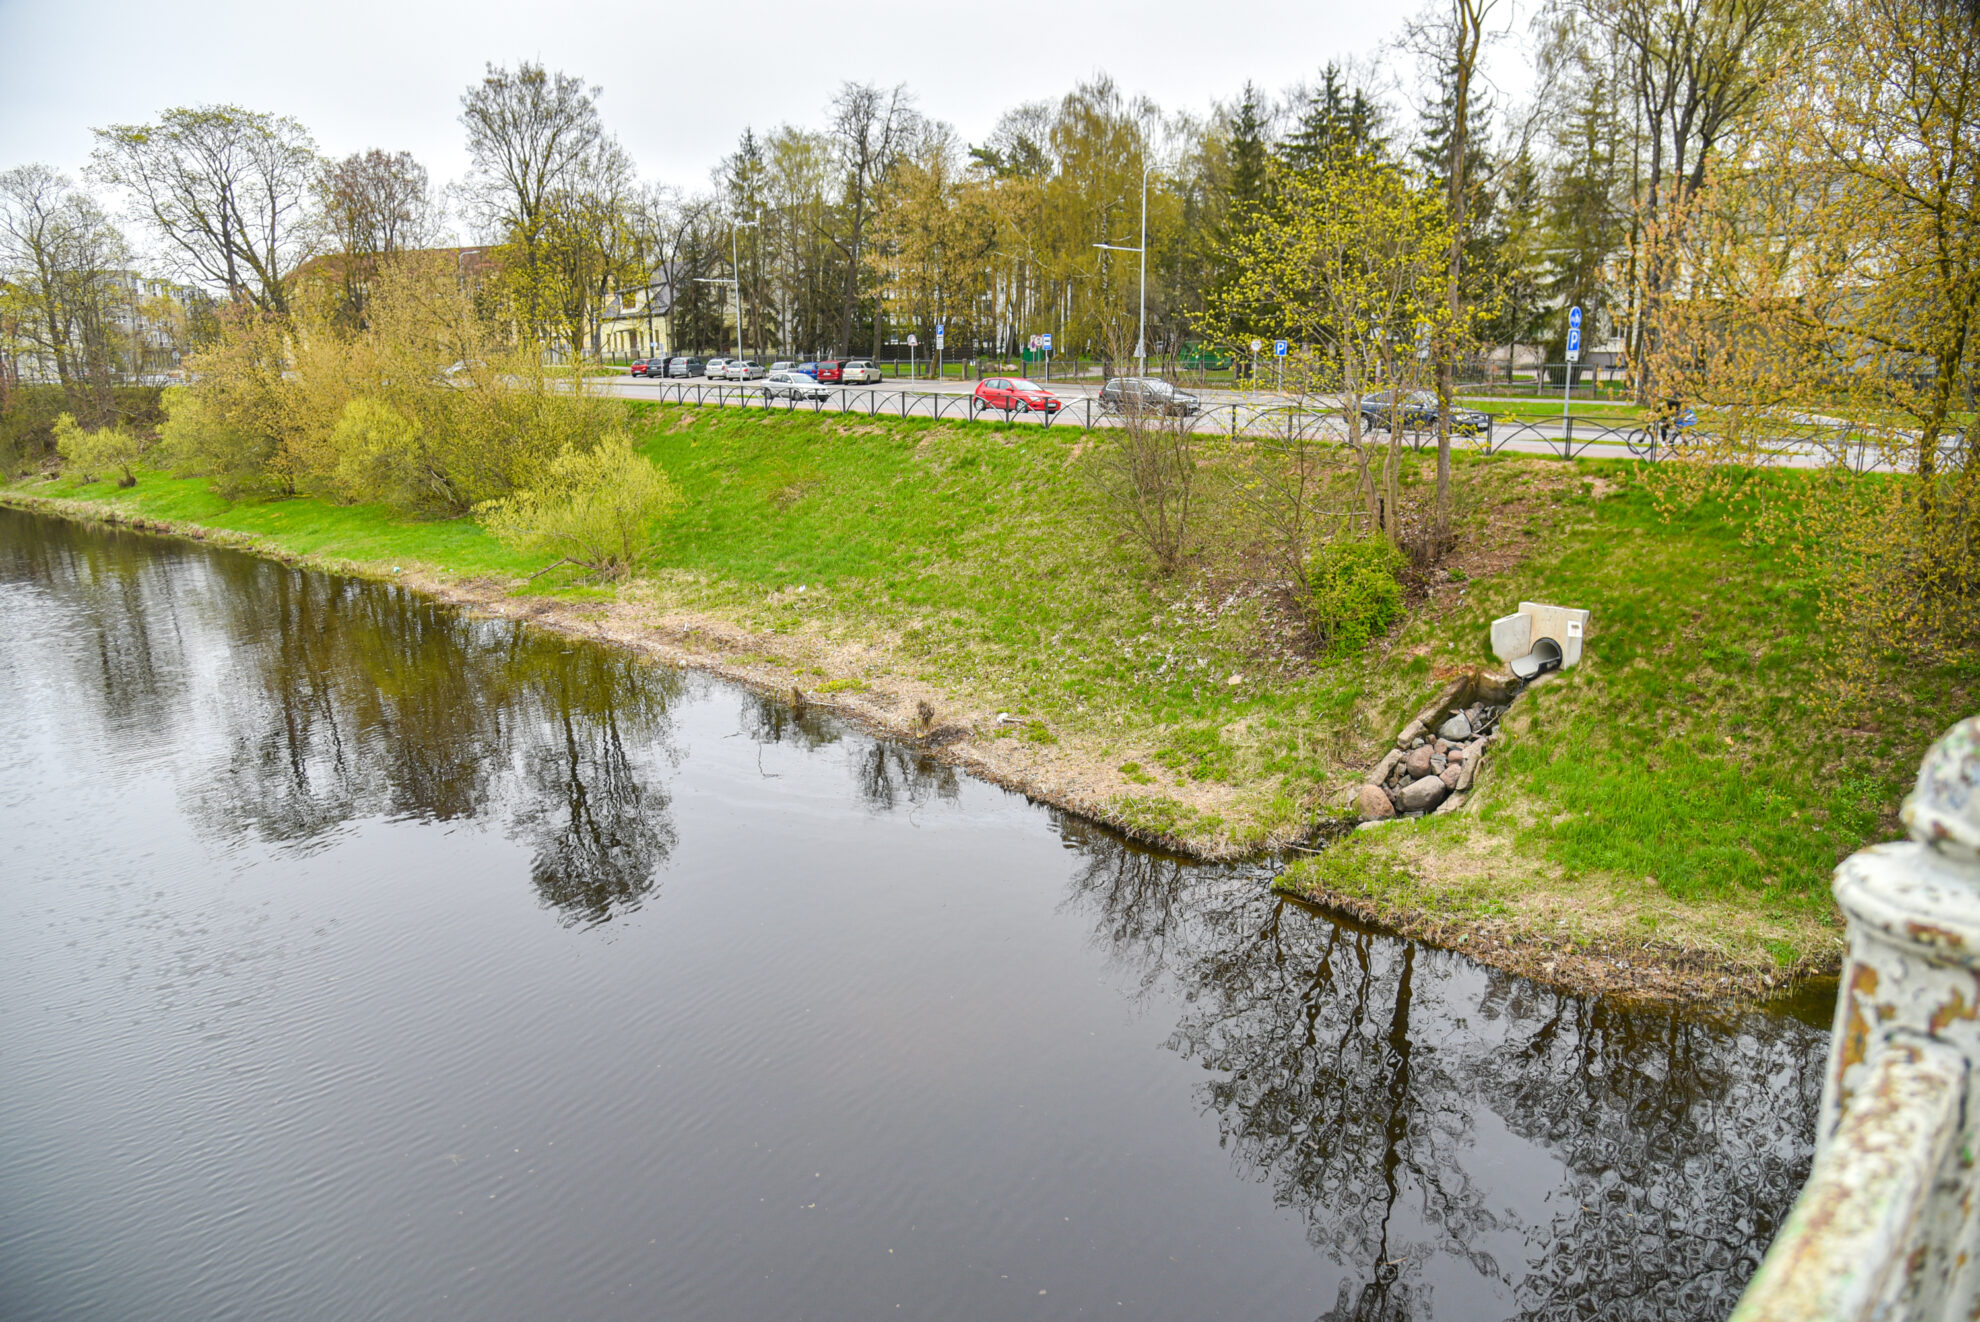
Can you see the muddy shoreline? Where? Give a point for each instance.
(918, 716)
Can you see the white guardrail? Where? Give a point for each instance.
(1888, 1226)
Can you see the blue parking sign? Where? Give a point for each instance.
(1279, 348)
(1046, 341)
(1574, 339)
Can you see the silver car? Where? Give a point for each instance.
(793, 385)
(742, 369)
(716, 368)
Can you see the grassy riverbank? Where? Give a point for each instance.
(1664, 817)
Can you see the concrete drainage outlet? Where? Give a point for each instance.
(1438, 754)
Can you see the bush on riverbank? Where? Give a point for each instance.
(113, 451)
(28, 414)
(595, 509)
(1681, 788)
(427, 407)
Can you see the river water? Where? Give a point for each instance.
(360, 959)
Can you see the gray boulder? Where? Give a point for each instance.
(1458, 727)
(1372, 802)
(1423, 795)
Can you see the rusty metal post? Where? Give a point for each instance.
(1887, 1225)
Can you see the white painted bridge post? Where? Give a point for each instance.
(1886, 1226)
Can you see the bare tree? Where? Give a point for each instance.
(868, 125)
(373, 206)
(530, 133)
(1146, 474)
(1453, 41)
(64, 261)
(226, 189)
(377, 204)
(1693, 70)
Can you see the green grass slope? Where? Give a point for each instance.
(1685, 788)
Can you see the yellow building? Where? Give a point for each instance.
(633, 323)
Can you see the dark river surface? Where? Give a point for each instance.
(359, 959)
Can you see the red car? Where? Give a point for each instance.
(638, 368)
(830, 373)
(1015, 394)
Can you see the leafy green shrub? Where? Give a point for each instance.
(105, 452)
(28, 413)
(1355, 592)
(198, 438)
(591, 508)
(379, 456)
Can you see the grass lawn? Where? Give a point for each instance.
(1683, 790)
(1549, 410)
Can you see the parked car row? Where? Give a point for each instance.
(850, 372)
(1140, 395)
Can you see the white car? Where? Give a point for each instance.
(742, 369)
(859, 372)
(782, 365)
(793, 385)
(716, 368)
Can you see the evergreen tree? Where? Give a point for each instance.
(1250, 162)
(1584, 218)
(745, 177)
(1246, 201)
(1337, 124)
(1515, 252)
(1432, 152)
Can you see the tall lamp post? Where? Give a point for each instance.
(1141, 323)
(735, 265)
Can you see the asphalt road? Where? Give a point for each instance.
(1247, 413)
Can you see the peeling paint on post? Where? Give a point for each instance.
(1886, 1227)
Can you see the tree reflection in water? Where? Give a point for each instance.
(339, 700)
(1435, 1125)
(107, 581)
(888, 776)
(1376, 1084)
(599, 829)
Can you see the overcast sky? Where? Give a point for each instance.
(681, 80)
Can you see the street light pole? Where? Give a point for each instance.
(1141, 322)
(735, 266)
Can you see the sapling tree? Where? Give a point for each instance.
(102, 452)
(1351, 269)
(1146, 471)
(594, 509)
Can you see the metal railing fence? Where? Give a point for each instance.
(1288, 421)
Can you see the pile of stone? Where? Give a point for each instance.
(1437, 755)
